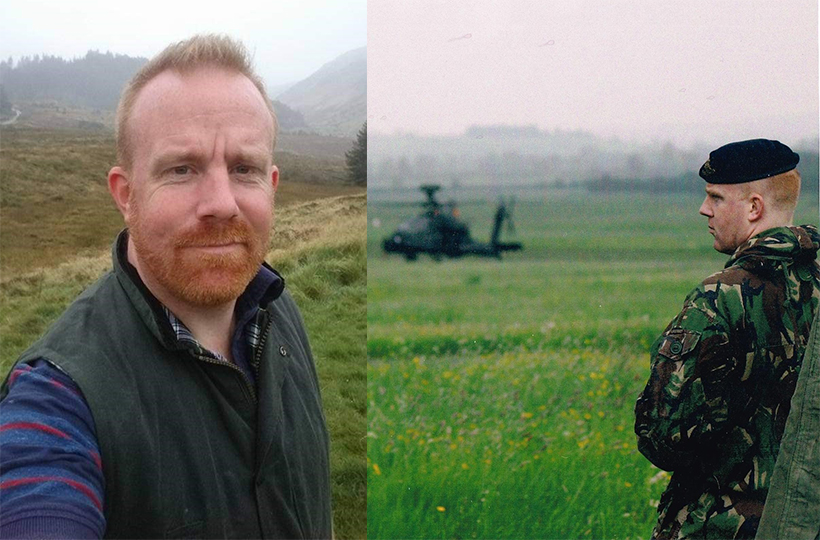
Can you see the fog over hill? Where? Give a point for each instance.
(332, 101)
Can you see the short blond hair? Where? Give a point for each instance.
(204, 50)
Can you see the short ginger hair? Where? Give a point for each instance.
(204, 50)
(780, 191)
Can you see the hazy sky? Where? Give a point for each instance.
(683, 70)
(290, 39)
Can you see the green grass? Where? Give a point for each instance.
(329, 282)
(501, 393)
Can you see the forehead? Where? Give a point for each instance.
(723, 190)
(205, 95)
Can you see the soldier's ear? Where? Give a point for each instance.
(756, 206)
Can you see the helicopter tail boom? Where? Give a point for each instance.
(501, 215)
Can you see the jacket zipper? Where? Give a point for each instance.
(263, 338)
(234, 367)
(256, 358)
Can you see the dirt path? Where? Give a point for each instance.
(11, 120)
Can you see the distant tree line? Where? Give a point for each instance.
(503, 131)
(690, 182)
(547, 168)
(596, 166)
(93, 81)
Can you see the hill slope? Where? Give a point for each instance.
(334, 99)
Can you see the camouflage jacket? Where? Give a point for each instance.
(722, 377)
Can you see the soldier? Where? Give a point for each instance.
(724, 370)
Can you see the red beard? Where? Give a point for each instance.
(196, 276)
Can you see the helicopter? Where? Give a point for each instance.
(438, 231)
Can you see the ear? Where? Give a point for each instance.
(120, 189)
(275, 178)
(756, 207)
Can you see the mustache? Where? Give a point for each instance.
(216, 234)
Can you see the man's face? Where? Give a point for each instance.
(727, 208)
(200, 199)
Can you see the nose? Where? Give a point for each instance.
(704, 208)
(217, 200)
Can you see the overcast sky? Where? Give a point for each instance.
(290, 39)
(681, 70)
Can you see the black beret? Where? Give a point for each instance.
(746, 161)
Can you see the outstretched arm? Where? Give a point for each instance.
(51, 480)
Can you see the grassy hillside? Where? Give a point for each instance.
(55, 199)
(55, 234)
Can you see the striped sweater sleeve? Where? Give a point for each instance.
(51, 480)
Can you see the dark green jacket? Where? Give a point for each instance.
(189, 447)
(721, 381)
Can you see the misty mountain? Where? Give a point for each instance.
(331, 101)
(334, 99)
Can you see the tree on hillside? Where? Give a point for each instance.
(5, 104)
(357, 158)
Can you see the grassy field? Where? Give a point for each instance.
(501, 393)
(57, 224)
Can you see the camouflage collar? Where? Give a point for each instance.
(782, 243)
